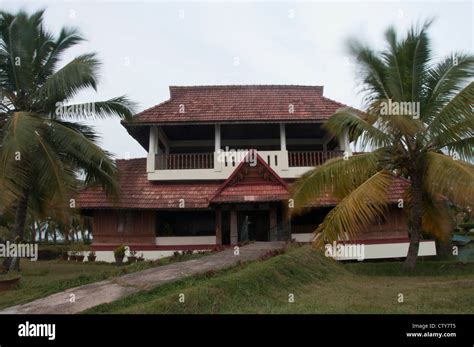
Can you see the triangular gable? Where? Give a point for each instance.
(261, 180)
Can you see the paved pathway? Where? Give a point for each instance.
(94, 294)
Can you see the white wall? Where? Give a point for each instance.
(382, 250)
(185, 240)
(108, 256)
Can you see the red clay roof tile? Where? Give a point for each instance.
(241, 103)
(137, 192)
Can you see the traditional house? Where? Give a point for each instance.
(220, 163)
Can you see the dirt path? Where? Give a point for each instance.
(81, 298)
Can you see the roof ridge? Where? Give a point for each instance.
(248, 86)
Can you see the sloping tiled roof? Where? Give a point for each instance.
(241, 103)
(140, 193)
(249, 183)
(137, 192)
(396, 191)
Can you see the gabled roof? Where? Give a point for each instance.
(234, 103)
(252, 182)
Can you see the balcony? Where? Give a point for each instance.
(202, 166)
(311, 158)
(213, 151)
(185, 161)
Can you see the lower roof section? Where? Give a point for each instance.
(245, 185)
(137, 192)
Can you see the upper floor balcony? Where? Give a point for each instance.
(212, 152)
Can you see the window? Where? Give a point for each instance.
(185, 223)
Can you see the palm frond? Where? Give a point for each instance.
(372, 71)
(436, 218)
(450, 178)
(337, 177)
(68, 37)
(444, 81)
(80, 152)
(356, 211)
(360, 130)
(120, 107)
(79, 74)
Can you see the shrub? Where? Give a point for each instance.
(466, 226)
(120, 251)
(79, 247)
(51, 252)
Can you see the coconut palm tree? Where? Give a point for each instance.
(45, 148)
(432, 147)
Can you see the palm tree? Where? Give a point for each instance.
(433, 148)
(44, 148)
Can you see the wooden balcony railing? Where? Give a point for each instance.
(185, 161)
(311, 158)
(189, 161)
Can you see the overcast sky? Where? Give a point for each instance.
(147, 46)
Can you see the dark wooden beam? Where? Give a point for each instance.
(218, 225)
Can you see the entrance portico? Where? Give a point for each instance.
(246, 222)
(248, 202)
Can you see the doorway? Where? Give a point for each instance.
(257, 222)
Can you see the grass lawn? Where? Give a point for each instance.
(42, 278)
(319, 285)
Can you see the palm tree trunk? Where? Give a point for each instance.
(414, 222)
(18, 230)
(20, 216)
(39, 233)
(33, 232)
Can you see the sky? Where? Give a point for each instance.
(146, 46)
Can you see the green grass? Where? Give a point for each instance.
(42, 278)
(319, 285)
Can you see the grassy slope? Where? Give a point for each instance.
(319, 285)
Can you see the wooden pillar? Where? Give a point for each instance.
(273, 223)
(218, 225)
(234, 236)
(152, 149)
(217, 148)
(344, 143)
(283, 155)
(217, 137)
(282, 137)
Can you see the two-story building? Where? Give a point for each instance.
(220, 163)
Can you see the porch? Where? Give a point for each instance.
(227, 224)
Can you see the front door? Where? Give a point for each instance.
(258, 224)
